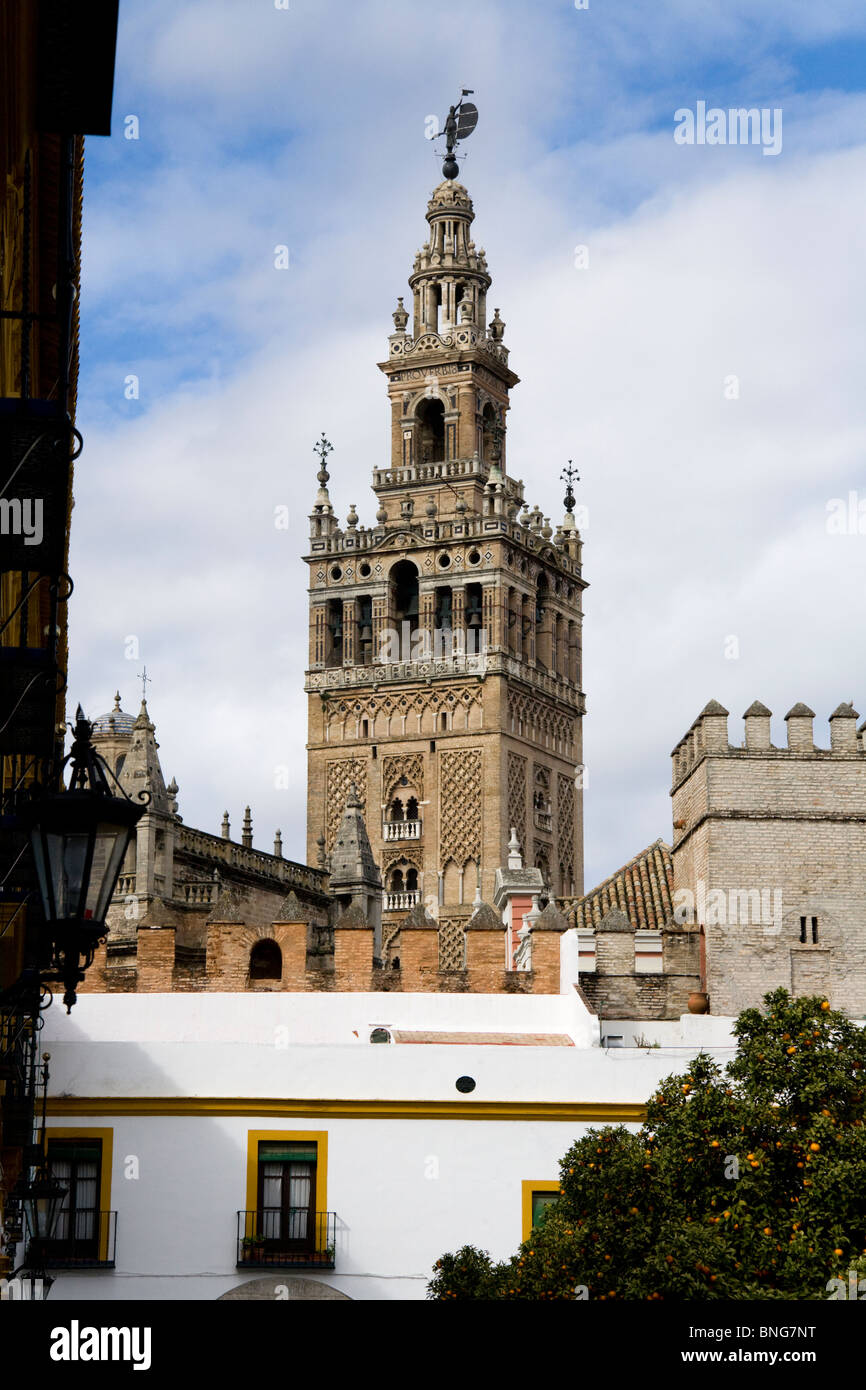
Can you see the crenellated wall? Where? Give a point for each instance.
(769, 855)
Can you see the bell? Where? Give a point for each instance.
(366, 634)
(411, 610)
(473, 611)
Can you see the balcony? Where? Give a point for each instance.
(401, 902)
(91, 1244)
(401, 830)
(286, 1238)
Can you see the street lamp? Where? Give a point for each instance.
(79, 838)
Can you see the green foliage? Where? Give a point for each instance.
(464, 1275)
(743, 1184)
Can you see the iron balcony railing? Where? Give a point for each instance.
(283, 1236)
(87, 1241)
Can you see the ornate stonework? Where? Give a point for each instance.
(451, 943)
(408, 765)
(517, 795)
(565, 832)
(342, 773)
(460, 806)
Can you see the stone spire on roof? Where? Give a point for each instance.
(141, 770)
(355, 880)
(352, 857)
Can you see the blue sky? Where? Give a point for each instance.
(305, 127)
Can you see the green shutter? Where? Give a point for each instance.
(88, 1153)
(287, 1153)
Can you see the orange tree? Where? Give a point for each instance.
(747, 1183)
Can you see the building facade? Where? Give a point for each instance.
(323, 1147)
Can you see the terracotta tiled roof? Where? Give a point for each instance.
(486, 1039)
(641, 889)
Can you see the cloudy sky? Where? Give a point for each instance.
(702, 359)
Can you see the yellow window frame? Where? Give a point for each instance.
(319, 1137)
(527, 1189)
(106, 1138)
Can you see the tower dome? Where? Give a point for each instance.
(117, 721)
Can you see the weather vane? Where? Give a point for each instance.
(569, 476)
(459, 125)
(323, 448)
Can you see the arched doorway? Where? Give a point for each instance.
(283, 1288)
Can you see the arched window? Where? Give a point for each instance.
(430, 431)
(396, 885)
(266, 961)
(411, 880)
(488, 422)
(365, 630)
(334, 652)
(396, 809)
(412, 808)
(404, 594)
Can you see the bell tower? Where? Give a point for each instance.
(444, 675)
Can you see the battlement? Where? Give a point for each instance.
(708, 737)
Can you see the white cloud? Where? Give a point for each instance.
(706, 514)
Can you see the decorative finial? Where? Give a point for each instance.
(400, 316)
(352, 517)
(515, 858)
(145, 680)
(497, 327)
(323, 448)
(247, 830)
(226, 828)
(569, 476)
(322, 856)
(117, 701)
(278, 845)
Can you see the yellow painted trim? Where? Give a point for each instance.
(280, 1136)
(608, 1112)
(106, 1136)
(527, 1189)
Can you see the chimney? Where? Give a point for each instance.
(799, 721)
(757, 719)
(843, 729)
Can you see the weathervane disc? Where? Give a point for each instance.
(467, 119)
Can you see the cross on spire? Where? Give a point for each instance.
(145, 680)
